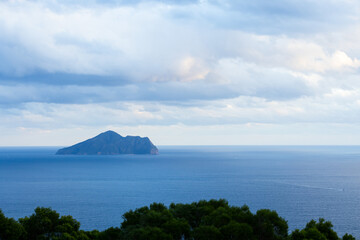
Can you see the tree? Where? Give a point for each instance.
(321, 230)
(110, 234)
(133, 217)
(218, 217)
(348, 237)
(237, 231)
(147, 233)
(177, 228)
(325, 227)
(269, 226)
(213, 219)
(206, 233)
(10, 229)
(46, 223)
(42, 222)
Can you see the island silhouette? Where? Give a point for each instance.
(111, 143)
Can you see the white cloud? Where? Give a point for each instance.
(143, 42)
(166, 66)
(342, 93)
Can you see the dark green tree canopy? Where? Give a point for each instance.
(10, 229)
(203, 220)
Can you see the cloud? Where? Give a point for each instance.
(143, 41)
(229, 78)
(91, 64)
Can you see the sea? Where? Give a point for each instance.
(299, 182)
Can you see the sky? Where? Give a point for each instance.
(207, 72)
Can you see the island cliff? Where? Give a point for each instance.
(111, 143)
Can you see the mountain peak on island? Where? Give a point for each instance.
(108, 134)
(111, 143)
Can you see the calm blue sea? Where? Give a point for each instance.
(300, 183)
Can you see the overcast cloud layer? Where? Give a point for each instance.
(180, 72)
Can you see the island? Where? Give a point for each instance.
(111, 143)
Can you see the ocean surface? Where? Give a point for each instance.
(300, 183)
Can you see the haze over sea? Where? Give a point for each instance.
(299, 182)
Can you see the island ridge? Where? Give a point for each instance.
(111, 143)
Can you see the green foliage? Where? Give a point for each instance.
(321, 230)
(348, 237)
(46, 223)
(237, 231)
(10, 229)
(149, 233)
(109, 234)
(206, 233)
(41, 223)
(177, 228)
(269, 226)
(133, 217)
(214, 219)
(218, 217)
